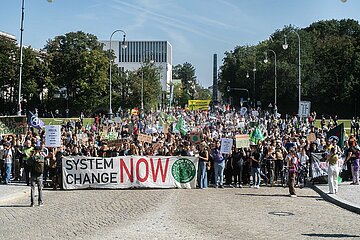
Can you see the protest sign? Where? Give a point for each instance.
(144, 138)
(243, 111)
(115, 143)
(80, 172)
(53, 135)
(198, 104)
(242, 141)
(165, 129)
(311, 137)
(82, 137)
(195, 137)
(226, 145)
(12, 125)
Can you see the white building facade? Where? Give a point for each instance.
(137, 53)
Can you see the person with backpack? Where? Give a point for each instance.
(37, 168)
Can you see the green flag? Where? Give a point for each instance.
(164, 115)
(180, 126)
(256, 135)
(161, 121)
(171, 119)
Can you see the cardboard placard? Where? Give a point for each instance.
(226, 145)
(311, 137)
(242, 141)
(145, 138)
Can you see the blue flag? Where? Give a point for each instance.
(34, 121)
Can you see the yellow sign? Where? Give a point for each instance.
(198, 104)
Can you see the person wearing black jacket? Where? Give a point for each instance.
(237, 163)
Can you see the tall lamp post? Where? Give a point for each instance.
(285, 46)
(123, 45)
(275, 72)
(21, 53)
(254, 82)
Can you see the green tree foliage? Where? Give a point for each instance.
(8, 70)
(189, 87)
(80, 66)
(330, 67)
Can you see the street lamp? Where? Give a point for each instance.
(266, 61)
(123, 45)
(254, 73)
(285, 46)
(151, 61)
(21, 53)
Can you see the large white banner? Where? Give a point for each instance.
(129, 171)
(320, 165)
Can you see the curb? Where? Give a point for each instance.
(337, 201)
(15, 196)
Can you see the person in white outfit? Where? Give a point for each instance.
(333, 171)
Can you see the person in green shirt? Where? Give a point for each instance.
(27, 150)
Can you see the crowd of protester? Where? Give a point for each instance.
(275, 159)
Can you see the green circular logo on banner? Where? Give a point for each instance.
(183, 170)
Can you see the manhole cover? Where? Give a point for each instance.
(281, 213)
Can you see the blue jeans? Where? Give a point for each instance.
(202, 175)
(219, 172)
(7, 172)
(255, 173)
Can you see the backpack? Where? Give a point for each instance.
(39, 165)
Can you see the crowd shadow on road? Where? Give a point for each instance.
(330, 235)
(272, 195)
(15, 206)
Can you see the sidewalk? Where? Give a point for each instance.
(13, 191)
(348, 196)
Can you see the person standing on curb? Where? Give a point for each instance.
(333, 171)
(37, 169)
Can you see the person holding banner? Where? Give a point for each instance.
(203, 161)
(333, 171)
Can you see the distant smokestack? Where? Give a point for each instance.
(215, 81)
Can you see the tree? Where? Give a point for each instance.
(80, 67)
(8, 77)
(330, 57)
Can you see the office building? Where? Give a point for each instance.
(138, 52)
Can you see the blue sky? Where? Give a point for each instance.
(196, 28)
